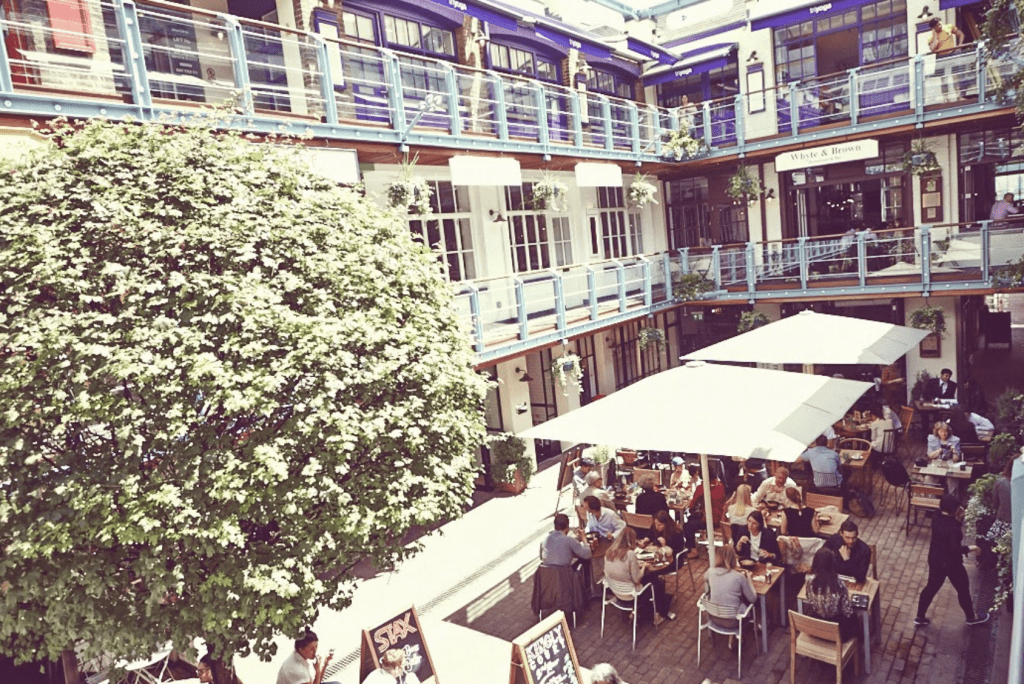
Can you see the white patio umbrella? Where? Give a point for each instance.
(811, 337)
(711, 409)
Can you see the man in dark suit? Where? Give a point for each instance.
(942, 387)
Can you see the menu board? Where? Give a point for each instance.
(545, 654)
(402, 631)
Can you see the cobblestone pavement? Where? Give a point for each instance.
(906, 654)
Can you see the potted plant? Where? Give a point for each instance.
(410, 192)
(549, 193)
(649, 336)
(920, 160)
(743, 186)
(691, 286)
(920, 385)
(680, 144)
(567, 370)
(641, 191)
(511, 468)
(930, 318)
(981, 516)
(752, 319)
(1010, 276)
(1001, 449)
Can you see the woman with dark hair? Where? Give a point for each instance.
(945, 559)
(760, 543)
(666, 534)
(828, 597)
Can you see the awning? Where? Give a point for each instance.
(950, 4)
(777, 13)
(594, 175)
(650, 51)
(570, 41)
(690, 63)
(480, 12)
(485, 171)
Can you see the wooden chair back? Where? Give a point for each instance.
(639, 474)
(638, 521)
(819, 629)
(973, 452)
(906, 419)
(819, 640)
(854, 443)
(816, 501)
(873, 565)
(888, 442)
(581, 513)
(926, 492)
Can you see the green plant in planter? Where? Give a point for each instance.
(920, 160)
(651, 336)
(1010, 276)
(1009, 413)
(549, 193)
(691, 286)
(1001, 450)
(680, 144)
(602, 454)
(410, 192)
(743, 186)
(752, 319)
(508, 454)
(931, 318)
(920, 385)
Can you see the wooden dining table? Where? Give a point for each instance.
(856, 461)
(764, 582)
(826, 528)
(944, 469)
(872, 615)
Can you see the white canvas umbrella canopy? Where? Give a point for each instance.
(811, 337)
(711, 409)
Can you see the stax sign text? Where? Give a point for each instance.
(389, 635)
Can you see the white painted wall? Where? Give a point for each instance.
(915, 364)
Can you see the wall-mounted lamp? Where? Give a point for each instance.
(753, 56)
(770, 195)
(525, 377)
(497, 216)
(522, 408)
(925, 13)
(218, 33)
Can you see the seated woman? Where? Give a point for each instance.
(696, 521)
(759, 543)
(728, 585)
(680, 476)
(621, 565)
(827, 596)
(666, 535)
(878, 424)
(944, 446)
(797, 535)
(740, 506)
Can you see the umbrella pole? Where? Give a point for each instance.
(707, 509)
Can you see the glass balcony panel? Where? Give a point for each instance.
(521, 109)
(85, 56)
(884, 89)
(284, 72)
(477, 101)
(633, 276)
(893, 254)
(539, 295)
(723, 122)
(360, 84)
(950, 77)
(561, 122)
(425, 92)
(622, 130)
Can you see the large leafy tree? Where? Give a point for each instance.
(223, 380)
(1003, 38)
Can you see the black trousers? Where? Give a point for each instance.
(937, 574)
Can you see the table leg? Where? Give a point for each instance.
(764, 624)
(865, 621)
(783, 618)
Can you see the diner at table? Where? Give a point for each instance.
(622, 565)
(728, 585)
(798, 532)
(681, 476)
(595, 488)
(602, 521)
(739, 506)
(695, 523)
(827, 597)
(943, 447)
(579, 476)
(825, 464)
(773, 490)
(971, 427)
(759, 543)
(650, 501)
(853, 555)
(878, 424)
(666, 536)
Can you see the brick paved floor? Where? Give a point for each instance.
(905, 655)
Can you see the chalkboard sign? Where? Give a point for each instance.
(545, 654)
(570, 461)
(402, 631)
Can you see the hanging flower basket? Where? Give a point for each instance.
(651, 336)
(410, 192)
(920, 160)
(752, 319)
(567, 370)
(550, 194)
(743, 187)
(929, 318)
(642, 191)
(680, 145)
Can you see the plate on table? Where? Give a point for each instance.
(747, 563)
(645, 555)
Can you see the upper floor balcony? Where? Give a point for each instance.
(510, 314)
(153, 59)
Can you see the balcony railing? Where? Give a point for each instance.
(143, 59)
(511, 313)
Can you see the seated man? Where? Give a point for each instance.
(602, 521)
(774, 489)
(824, 464)
(296, 669)
(650, 502)
(853, 556)
(941, 387)
(595, 487)
(579, 476)
(558, 548)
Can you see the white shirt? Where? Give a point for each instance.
(755, 545)
(295, 670)
(982, 426)
(379, 676)
(766, 491)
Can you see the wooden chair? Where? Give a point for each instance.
(906, 420)
(873, 565)
(862, 445)
(820, 640)
(638, 521)
(624, 596)
(974, 453)
(706, 608)
(581, 513)
(922, 497)
(816, 501)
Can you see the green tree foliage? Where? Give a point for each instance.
(1002, 35)
(223, 381)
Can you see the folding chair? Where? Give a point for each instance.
(625, 597)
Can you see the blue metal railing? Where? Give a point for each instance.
(146, 58)
(510, 313)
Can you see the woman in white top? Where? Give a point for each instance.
(879, 425)
(740, 506)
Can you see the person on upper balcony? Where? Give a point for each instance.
(944, 37)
